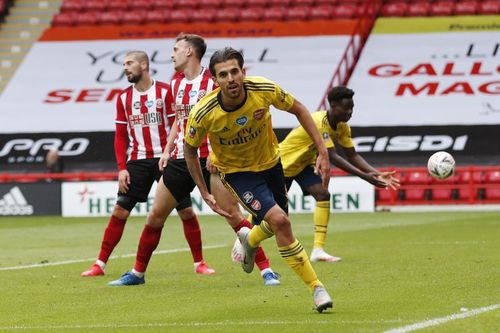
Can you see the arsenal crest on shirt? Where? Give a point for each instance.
(257, 115)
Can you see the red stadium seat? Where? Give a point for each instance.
(418, 178)
(274, 14)
(118, 5)
(111, 18)
(466, 8)
(185, 4)
(134, 17)
(139, 4)
(87, 18)
(180, 16)
(65, 19)
(466, 194)
(279, 3)
(396, 1)
(307, 3)
(251, 14)
(492, 177)
(441, 194)
(351, 2)
(95, 6)
(443, 8)
(415, 194)
(210, 3)
(204, 15)
(157, 16)
(257, 3)
(344, 11)
(321, 13)
(464, 177)
(72, 6)
(236, 4)
(297, 13)
(418, 9)
(227, 15)
(492, 193)
(384, 195)
(490, 7)
(394, 9)
(162, 4)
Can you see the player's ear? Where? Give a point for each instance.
(244, 71)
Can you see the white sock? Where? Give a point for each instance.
(136, 273)
(101, 263)
(266, 270)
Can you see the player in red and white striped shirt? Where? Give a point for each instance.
(143, 118)
(192, 83)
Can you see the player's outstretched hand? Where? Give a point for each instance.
(123, 181)
(210, 200)
(389, 179)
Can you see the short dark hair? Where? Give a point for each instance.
(224, 55)
(196, 41)
(337, 94)
(140, 56)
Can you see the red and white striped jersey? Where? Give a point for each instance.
(185, 96)
(148, 117)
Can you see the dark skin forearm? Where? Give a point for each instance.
(347, 166)
(358, 161)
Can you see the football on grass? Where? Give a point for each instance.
(441, 165)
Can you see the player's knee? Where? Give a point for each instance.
(278, 220)
(156, 216)
(120, 212)
(127, 203)
(322, 196)
(186, 213)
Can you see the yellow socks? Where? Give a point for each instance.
(259, 233)
(297, 259)
(321, 217)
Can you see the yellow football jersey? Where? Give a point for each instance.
(297, 150)
(243, 139)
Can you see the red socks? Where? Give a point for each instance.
(193, 236)
(150, 238)
(112, 236)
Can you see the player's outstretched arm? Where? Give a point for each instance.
(322, 162)
(387, 178)
(194, 167)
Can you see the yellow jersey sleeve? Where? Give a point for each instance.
(343, 135)
(297, 150)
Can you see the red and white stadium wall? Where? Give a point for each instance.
(429, 84)
(72, 76)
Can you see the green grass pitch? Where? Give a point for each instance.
(398, 269)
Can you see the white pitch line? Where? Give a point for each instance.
(442, 320)
(74, 261)
(198, 324)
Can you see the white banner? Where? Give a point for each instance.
(72, 86)
(349, 194)
(428, 79)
